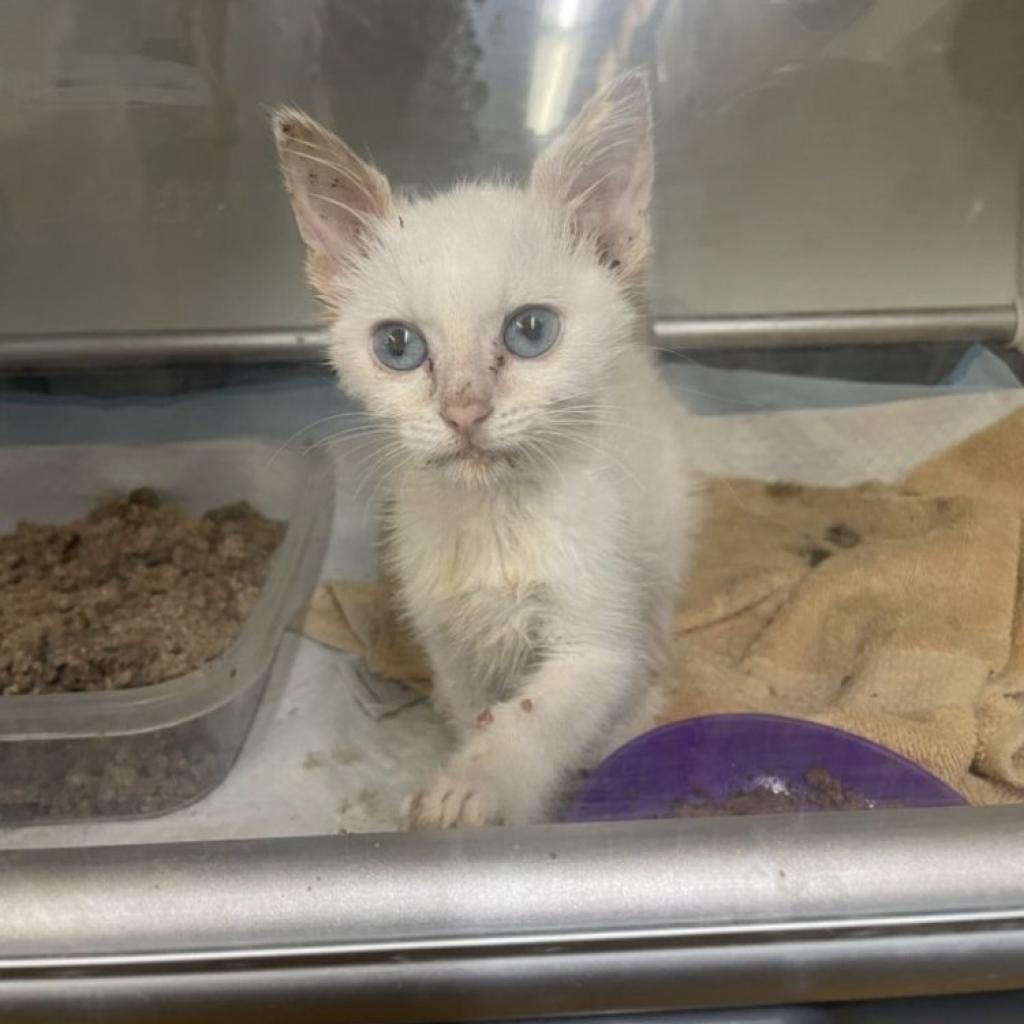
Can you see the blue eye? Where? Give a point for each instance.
(531, 331)
(399, 346)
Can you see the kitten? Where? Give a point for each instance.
(542, 506)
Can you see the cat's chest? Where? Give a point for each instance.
(486, 573)
(450, 556)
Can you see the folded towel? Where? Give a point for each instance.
(891, 611)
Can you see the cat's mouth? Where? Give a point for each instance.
(473, 453)
(472, 456)
(469, 454)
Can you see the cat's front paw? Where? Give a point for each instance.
(452, 801)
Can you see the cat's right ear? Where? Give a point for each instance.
(602, 167)
(336, 197)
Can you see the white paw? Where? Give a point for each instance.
(452, 801)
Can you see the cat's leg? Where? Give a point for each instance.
(521, 752)
(449, 693)
(459, 694)
(659, 666)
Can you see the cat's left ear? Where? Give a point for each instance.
(337, 198)
(602, 168)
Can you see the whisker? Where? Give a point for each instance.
(687, 389)
(568, 437)
(306, 429)
(536, 448)
(384, 481)
(336, 440)
(387, 455)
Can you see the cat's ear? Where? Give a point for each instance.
(336, 197)
(602, 168)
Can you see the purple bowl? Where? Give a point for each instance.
(715, 757)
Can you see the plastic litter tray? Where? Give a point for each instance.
(147, 751)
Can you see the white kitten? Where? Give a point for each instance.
(543, 504)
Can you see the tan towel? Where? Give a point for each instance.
(891, 611)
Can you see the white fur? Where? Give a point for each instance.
(540, 576)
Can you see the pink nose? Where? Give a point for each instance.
(465, 417)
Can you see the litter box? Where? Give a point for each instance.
(150, 750)
(671, 771)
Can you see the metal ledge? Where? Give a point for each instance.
(990, 324)
(505, 924)
(39, 353)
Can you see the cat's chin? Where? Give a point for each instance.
(475, 467)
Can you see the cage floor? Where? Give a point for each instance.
(322, 759)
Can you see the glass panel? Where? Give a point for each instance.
(139, 168)
(499, 577)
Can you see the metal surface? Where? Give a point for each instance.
(838, 154)
(812, 154)
(998, 1008)
(991, 324)
(502, 923)
(81, 351)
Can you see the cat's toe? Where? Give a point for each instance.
(450, 802)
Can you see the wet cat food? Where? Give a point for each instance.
(134, 593)
(822, 791)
